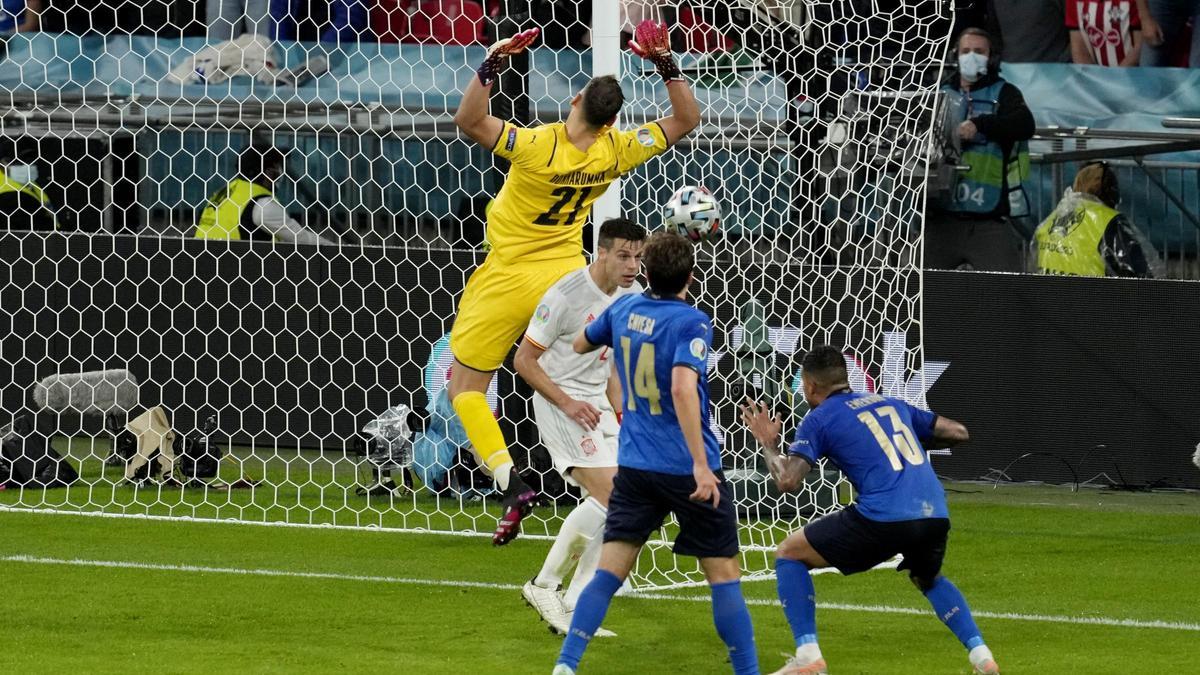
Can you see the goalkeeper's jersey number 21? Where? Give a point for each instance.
(564, 194)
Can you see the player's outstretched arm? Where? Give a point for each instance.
(582, 345)
(652, 41)
(526, 362)
(685, 394)
(472, 116)
(787, 470)
(948, 433)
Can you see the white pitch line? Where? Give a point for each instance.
(1016, 616)
(6, 508)
(646, 595)
(161, 567)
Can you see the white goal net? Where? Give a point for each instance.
(148, 371)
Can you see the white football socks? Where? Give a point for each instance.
(589, 560)
(580, 533)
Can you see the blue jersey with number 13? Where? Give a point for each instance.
(876, 441)
(649, 336)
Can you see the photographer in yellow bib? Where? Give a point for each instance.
(535, 226)
(1086, 236)
(246, 208)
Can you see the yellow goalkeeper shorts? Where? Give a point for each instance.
(496, 307)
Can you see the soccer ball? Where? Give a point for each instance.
(693, 212)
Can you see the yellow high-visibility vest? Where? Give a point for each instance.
(222, 218)
(1068, 242)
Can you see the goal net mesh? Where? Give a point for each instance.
(149, 372)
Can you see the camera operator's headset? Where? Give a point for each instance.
(1110, 189)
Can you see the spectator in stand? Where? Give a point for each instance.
(1087, 236)
(343, 21)
(446, 22)
(228, 19)
(246, 208)
(1164, 32)
(1030, 31)
(1104, 32)
(976, 224)
(19, 16)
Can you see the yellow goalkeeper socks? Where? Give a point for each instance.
(485, 435)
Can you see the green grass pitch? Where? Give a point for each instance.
(1051, 574)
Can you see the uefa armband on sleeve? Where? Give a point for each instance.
(636, 146)
(523, 145)
(693, 347)
(543, 329)
(805, 444)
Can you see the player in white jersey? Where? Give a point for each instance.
(574, 409)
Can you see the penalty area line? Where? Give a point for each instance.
(644, 595)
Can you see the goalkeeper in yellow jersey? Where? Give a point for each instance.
(535, 226)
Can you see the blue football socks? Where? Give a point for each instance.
(951, 608)
(732, 620)
(589, 614)
(799, 599)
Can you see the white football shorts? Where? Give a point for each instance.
(569, 444)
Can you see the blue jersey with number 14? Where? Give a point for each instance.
(876, 441)
(649, 336)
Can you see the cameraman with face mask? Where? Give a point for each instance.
(977, 223)
(23, 205)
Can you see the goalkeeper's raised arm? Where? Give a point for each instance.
(652, 42)
(472, 116)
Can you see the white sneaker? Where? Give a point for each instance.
(560, 669)
(566, 628)
(548, 605)
(560, 625)
(988, 667)
(797, 665)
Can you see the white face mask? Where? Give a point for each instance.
(972, 66)
(22, 174)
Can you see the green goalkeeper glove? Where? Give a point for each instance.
(498, 53)
(652, 41)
